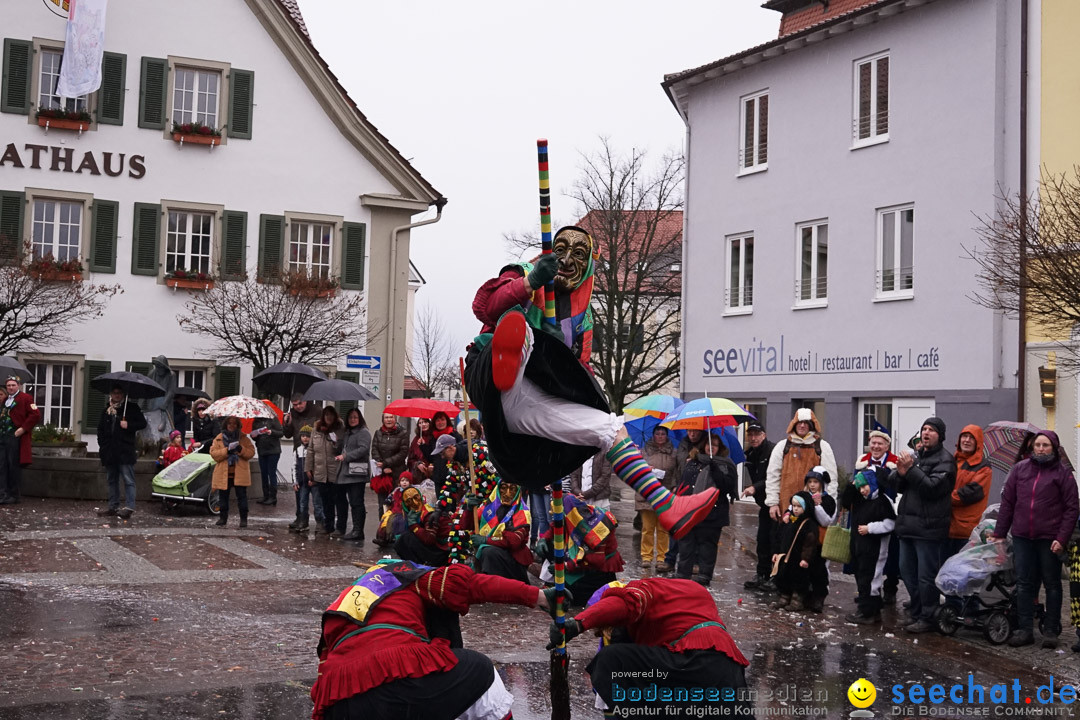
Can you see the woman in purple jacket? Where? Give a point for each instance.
(1039, 505)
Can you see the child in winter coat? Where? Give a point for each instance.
(174, 450)
(816, 482)
(798, 543)
(305, 493)
(873, 519)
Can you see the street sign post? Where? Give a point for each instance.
(364, 362)
(370, 377)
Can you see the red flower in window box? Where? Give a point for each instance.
(189, 280)
(53, 270)
(302, 283)
(197, 133)
(54, 118)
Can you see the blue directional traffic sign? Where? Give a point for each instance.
(367, 362)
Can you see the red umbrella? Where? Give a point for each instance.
(421, 408)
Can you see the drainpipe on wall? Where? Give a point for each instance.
(391, 305)
(1022, 349)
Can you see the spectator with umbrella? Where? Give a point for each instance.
(203, 427)
(354, 469)
(18, 416)
(232, 449)
(267, 433)
(321, 465)
(389, 450)
(119, 423)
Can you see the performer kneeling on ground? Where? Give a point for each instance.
(426, 538)
(662, 637)
(378, 658)
(544, 414)
(502, 544)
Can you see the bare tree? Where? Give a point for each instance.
(38, 307)
(266, 323)
(1028, 256)
(634, 213)
(431, 361)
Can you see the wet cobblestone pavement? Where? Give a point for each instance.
(168, 614)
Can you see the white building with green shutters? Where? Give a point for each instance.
(298, 180)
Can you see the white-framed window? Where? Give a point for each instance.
(189, 240)
(57, 228)
(739, 296)
(812, 264)
(902, 417)
(870, 123)
(48, 76)
(190, 378)
(196, 94)
(895, 252)
(310, 248)
(53, 390)
(754, 132)
(871, 412)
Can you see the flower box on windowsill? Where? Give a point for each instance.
(314, 292)
(195, 139)
(54, 275)
(189, 283)
(50, 123)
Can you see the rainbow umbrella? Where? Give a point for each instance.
(706, 414)
(657, 406)
(641, 430)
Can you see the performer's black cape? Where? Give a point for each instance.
(531, 461)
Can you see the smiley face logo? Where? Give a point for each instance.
(862, 693)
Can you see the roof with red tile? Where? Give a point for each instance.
(814, 13)
(293, 8)
(659, 241)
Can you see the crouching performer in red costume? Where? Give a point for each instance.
(663, 646)
(378, 658)
(544, 413)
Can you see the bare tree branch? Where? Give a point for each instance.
(37, 312)
(1029, 254)
(264, 324)
(431, 362)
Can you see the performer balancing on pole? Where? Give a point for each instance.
(544, 413)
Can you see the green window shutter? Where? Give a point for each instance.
(110, 109)
(136, 366)
(352, 256)
(345, 406)
(94, 401)
(153, 85)
(15, 89)
(11, 225)
(233, 245)
(104, 214)
(144, 239)
(241, 103)
(271, 247)
(226, 381)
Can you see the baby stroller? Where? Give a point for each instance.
(187, 481)
(980, 586)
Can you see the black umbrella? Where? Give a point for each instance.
(190, 392)
(287, 378)
(339, 390)
(134, 385)
(11, 366)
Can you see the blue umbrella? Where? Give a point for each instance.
(641, 430)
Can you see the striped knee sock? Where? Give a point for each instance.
(632, 469)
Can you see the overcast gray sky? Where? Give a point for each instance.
(464, 89)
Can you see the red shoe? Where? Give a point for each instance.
(686, 511)
(508, 350)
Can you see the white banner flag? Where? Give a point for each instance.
(80, 72)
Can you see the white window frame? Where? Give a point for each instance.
(814, 301)
(335, 222)
(46, 407)
(199, 65)
(754, 166)
(897, 293)
(862, 430)
(875, 138)
(77, 385)
(919, 407)
(179, 206)
(36, 195)
(182, 365)
(42, 46)
(81, 103)
(745, 305)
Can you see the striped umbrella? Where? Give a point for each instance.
(706, 414)
(1003, 441)
(657, 406)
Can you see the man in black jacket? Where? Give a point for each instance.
(120, 421)
(925, 480)
(758, 449)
